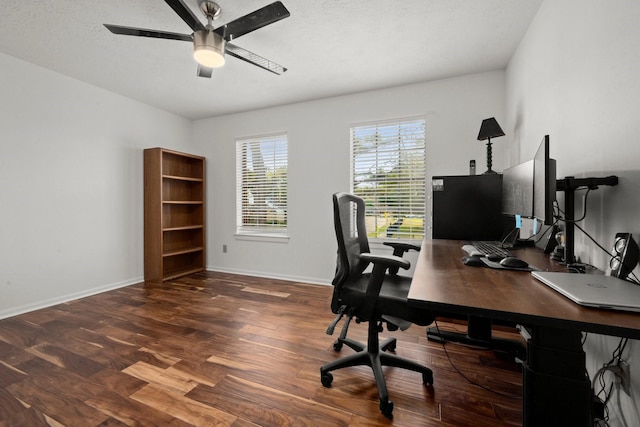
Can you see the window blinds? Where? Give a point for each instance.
(262, 184)
(388, 172)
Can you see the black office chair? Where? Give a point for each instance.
(377, 298)
(399, 249)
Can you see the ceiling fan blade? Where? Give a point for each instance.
(186, 14)
(204, 71)
(254, 59)
(253, 21)
(142, 32)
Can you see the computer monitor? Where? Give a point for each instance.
(544, 183)
(517, 190)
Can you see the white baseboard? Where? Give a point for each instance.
(14, 311)
(310, 280)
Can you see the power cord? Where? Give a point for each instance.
(469, 380)
(613, 366)
(548, 230)
(634, 278)
(584, 208)
(593, 240)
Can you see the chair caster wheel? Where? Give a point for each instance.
(337, 346)
(387, 408)
(326, 379)
(391, 347)
(427, 378)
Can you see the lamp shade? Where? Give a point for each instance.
(489, 129)
(208, 48)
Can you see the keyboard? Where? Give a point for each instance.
(490, 248)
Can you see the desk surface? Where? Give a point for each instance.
(441, 282)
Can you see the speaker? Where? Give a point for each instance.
(624, 257)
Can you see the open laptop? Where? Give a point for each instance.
(592, 290)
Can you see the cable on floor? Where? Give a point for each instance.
(469, 380)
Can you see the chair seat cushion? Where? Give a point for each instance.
(392, 300)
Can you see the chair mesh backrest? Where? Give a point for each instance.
(351, 233)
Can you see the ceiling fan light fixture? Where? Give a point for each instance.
(209, 43)
(208, 48)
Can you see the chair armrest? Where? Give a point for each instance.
(387, 261)
(399, 248)
(380, 265)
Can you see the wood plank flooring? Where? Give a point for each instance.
(216, 349)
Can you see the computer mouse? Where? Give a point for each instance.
(513, 262)
(474, 261)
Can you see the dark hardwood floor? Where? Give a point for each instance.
(221, 349)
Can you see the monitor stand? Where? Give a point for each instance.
(569, 185)
(478, 335)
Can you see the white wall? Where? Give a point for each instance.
(575, 77)
(318, 133)
(71, 194)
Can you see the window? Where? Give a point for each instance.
(261, 198)
(388, 172)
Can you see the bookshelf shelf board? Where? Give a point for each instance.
(187, 227)
(183, 178)
(173, 274)
(183, 251)
(182, 202)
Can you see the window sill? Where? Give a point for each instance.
(263, 237)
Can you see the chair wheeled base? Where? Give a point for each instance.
(375, 357)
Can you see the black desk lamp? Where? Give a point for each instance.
(489, 129)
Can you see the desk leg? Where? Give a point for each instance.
(557, 390)
(479, 335)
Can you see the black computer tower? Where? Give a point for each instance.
(467, 207)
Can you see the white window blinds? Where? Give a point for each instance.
(388, 172)
(261, 196)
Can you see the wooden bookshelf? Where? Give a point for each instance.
(174, 214)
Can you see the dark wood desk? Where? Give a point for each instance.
(556, 389)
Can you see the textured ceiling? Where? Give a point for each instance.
(330, 47)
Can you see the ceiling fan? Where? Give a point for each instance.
(210, 44)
